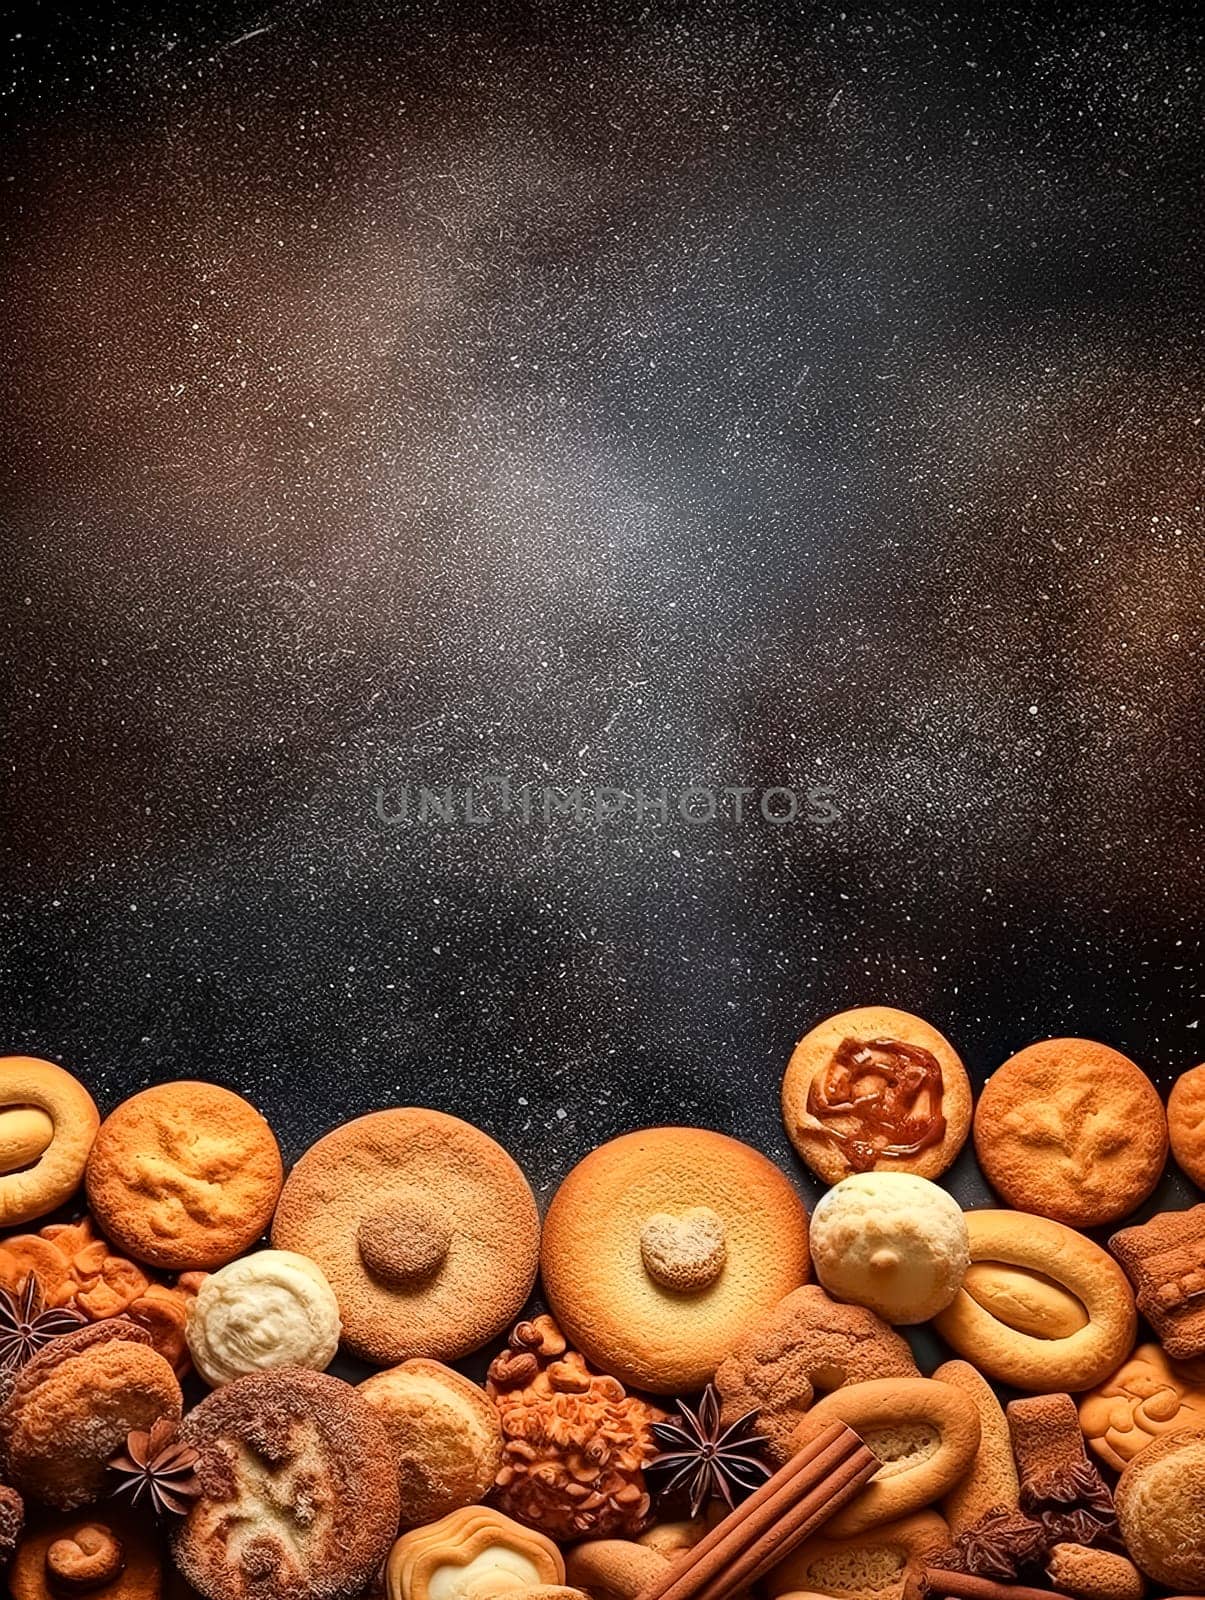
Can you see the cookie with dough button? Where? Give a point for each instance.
(48, 1123)
(662, 1247)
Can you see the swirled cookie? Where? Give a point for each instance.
(184, 1175)
(270, 1309)
(299, 1495)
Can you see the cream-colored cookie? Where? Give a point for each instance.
(48, 1122)
(270, 1309)
(662, 1247)
(876, 1089)
(991, 1482)
(471, 1554)
(892, 1242)
(445, 1435)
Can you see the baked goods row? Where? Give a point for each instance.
(695, 1408)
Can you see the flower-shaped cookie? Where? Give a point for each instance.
(471, 1555)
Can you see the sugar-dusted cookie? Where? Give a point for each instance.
(662, 1247)
(1186, 1123)
(424, 1227)
(48, 1121)
(298, 1490)
(876, 1089)
(1071, 1130)
(445, 1437)
(184, 1175)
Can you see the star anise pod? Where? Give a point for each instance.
(706, 1458)
(27, 1323)
(155, 1465)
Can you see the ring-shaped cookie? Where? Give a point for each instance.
(462, 1552)
(663, 1246)
(823, 1562)
(48, 1121)
(999, 1348)
(899, 1417)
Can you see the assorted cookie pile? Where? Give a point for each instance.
(718, 1401)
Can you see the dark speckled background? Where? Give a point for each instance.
(800, 396)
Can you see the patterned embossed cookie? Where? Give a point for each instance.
(184, 1175)
(1071, 1130)
(299, 1492)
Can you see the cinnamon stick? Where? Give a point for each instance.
(807, 1481)
(965, 1586)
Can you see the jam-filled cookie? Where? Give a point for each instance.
(662, 1247)
(1071, 1130)
(299, 1496)
(184, 1175)
(426, 1230)
(876, 1090)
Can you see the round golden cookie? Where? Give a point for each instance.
(1160, 1500)
(102, 1552)
(445, 1436)
(876, 1089)
(426, 1230)
(73, 1404)
(1071, 1130)
(887, 1561)
(298, 1492)
(48, 1121)
(1186, 1123)
(470, 1554)
(184, 1175)
(662, 1247)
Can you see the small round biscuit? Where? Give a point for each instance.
(298, 1493)
(425, 1228)
(445, 1436)
(104, 1553)
(892, 1242)
(806, 1344)
(73, 1404)
(270, 1309)
(876, 1089)
(48, 1121)
(1160, 1500)
(1071, 1130)
(1074, 1328)
(662, 1247)
(925, 1433)
(184, 1175)
(1186, 1123)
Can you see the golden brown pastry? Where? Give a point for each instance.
(885, 1563)
(299, 1493)
(104, 1553)
(991, 1482)
(445, 1436)
(875, 1089)
(1050, 1310)
(48, 1121)
(1071, 1130)
(73, 1404)
(663, 1247)
(1160, 1501)
(575, 1444)
(1090, 1573)
(184, 1175)
(1148, 1396)
(1186, 1123)
(424, 1227)
(925, 1433)
(806, 1344)
(470, 1554)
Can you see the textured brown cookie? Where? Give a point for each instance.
(73, 1404)
(661, 1248)
(184, 1175)
(445, 1437)
(1147, 1397)
(299, 1493)
(1092, 1574)
(991, 1482)
(806, 1344)
(1060, 1488)
(103, 1553)
(425, 1228)
(1071, 1130)
(1186, 1123)
(1161, 1508)
(885, 1563)
(1047, 1309)
(925, 1433)
(1164, 1259)
(47, 1124)
(875, 1089)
